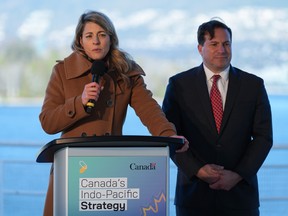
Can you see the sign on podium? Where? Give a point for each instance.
(113, 175)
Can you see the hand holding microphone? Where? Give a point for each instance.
(90, 94)
(92, 90)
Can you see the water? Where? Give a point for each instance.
(23, 182)
(21, 123)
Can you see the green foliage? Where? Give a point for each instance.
(24, 71)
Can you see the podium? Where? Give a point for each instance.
(110, 175)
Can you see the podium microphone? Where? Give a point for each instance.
(97, 70)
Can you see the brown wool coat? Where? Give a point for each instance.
(62, 109)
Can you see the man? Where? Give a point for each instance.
(217, 175)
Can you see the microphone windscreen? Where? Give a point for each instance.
(98, 68)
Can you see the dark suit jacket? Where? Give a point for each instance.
(242, 145)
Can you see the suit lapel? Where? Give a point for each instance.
(204, 98)
(233, 89)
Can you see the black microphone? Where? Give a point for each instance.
(97, 70)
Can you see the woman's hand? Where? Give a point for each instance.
(91, 92)
(185, 147)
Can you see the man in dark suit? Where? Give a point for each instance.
(217, 175)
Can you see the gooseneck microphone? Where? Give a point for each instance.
(97, 70)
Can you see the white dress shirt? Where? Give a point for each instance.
(222, 82)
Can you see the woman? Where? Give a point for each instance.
(70, 88)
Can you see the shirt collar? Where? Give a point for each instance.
(223, 74)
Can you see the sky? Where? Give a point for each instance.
(160, 30)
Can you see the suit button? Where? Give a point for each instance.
(109, 102)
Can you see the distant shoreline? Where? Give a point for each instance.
(23, 101)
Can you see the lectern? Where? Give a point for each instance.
(110, 175)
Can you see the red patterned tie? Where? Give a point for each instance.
(216, 102)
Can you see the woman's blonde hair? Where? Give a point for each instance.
(116, 59)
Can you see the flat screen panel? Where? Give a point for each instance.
(118, 181)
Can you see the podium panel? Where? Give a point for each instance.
(107, 176)
(111, 181)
